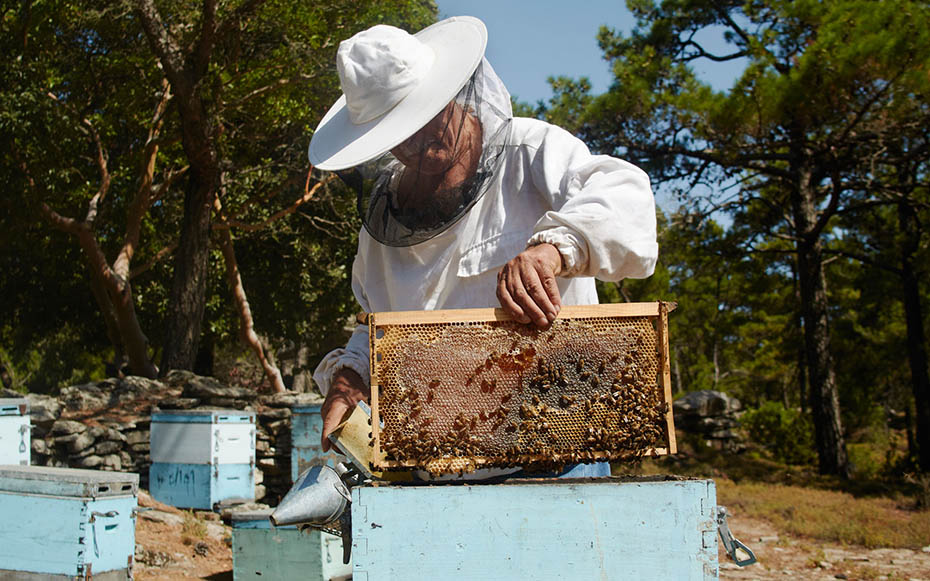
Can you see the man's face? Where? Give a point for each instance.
(432, 149)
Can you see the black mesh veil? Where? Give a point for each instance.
(426, 184)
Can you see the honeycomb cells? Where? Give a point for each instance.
(456, 396)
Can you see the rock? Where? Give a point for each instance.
(277, 427)
(229, 403)
(706, 403)
(162, 517)
(260, 491)
(112, 462)
(825, 564)
(140, 448)
(151, 558)
(204, 387)
(40, 447)
(92, 461)
(270, 414)
(43, 409)
(770, 539)
(926, 549)
(81, 442)
(290, 399)
(67, 427)
(138, 437)
(113, 435)
(108, 447)
(179, 403)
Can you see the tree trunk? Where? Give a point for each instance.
(916, 339)
(191, 268)
(247, 326)
(824, 399)
(191, 264)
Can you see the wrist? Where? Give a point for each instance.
(550, 254)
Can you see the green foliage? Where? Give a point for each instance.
(787, 433)
(271, 79)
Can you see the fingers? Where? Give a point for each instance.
(527, 288)
(333, 411)
(344, 394)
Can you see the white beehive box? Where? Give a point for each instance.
(201, 457)
(15, 432)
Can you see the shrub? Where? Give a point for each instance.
(786, 433)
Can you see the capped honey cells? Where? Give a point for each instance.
(455, 396)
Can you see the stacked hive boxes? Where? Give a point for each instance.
(306, 431)
(202, 457)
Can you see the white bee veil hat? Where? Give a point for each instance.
(393, 84)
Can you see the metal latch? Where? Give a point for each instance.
(730, 543)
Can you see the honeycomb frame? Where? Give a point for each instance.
(457, 390)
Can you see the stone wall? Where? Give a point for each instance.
(105, 425)
(713, 415)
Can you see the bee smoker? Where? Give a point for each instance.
(320, 498)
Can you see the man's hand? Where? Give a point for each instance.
(526, 286)
(344, 394)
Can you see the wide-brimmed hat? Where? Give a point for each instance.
(393, 83)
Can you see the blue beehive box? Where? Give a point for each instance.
(64, 523)
(557, 529)
(306, 430)
(15, 432)
(201, 457)
(262, 552)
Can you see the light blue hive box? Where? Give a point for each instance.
(261, 552)
(558, 529)
(306, 430)
(202, 457)
(65, 523)
(15, 431)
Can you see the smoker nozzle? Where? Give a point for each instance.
(319, 497)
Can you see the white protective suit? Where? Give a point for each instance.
(597, 210)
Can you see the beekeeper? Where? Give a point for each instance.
(464, 205)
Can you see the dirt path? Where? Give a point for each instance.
(783, 557)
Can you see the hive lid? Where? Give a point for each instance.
(18, 406)
(72, 482)
(205, 416)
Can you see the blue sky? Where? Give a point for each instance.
(530, 40)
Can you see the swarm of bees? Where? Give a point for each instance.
(508, 397)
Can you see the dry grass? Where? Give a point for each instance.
(828, 514)
(873, 513)
(193, 529)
